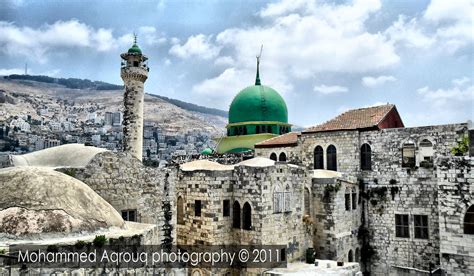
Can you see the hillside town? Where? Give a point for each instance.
(57, 121)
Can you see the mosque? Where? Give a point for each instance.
(360, 192)
(257, 113)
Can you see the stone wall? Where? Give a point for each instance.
(392, 189)
(456, 195)
(243, 184)
(335, 229)
(389, 189)
(346, 143)
(293, 154)
(126, 184)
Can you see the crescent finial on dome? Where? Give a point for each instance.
(257, 78)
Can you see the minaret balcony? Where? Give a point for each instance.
(131, 72)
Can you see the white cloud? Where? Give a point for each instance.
(286, 7)
(454, 22)
(461, 81)
(161, 5)
(444, 27)
(199, 46)
(37, 43)
(225, 60)
(150, 36)
(409, 33)
(219, 91)
(445, 105)
(304, 38)
(11, 71)
(323, 89)
(456, 96)
(21, 71)
(332, 39)
(452, 10)
(377, 81)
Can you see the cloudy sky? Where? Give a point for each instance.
(324, 57)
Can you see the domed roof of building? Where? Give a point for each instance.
(41, 200)
(134, 49)
(69, 155)
(207, 151)
(258, 103)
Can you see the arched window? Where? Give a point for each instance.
(236, 215)
(331, 155)
(180, 210)
(318, 158)
(357, 255)
(245, 130)
(366, 157)
(469, 221)
(408, 155)
(282, 157)
(426, 153)
(273, 156)
(257, 129)
(307, 204)
(350, 257)
(247, 217)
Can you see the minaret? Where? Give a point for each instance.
(134, 72)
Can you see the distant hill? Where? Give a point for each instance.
(28, 97)
(193, 107)
(75, 83)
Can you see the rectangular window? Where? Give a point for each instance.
(197, 208)
(226, 208)
(129, 215)
(278, 202)
(421, 226)
(354, 201)
(408, 155)
(348, 201)
(287, 201)
(402, 226)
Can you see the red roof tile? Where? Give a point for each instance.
(361, 118)
(288, 139)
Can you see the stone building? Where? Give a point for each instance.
(416, 197)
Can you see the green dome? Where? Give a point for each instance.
(134, 49)
(258, 103)
(206, 151)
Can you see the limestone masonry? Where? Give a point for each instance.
(361, 189)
